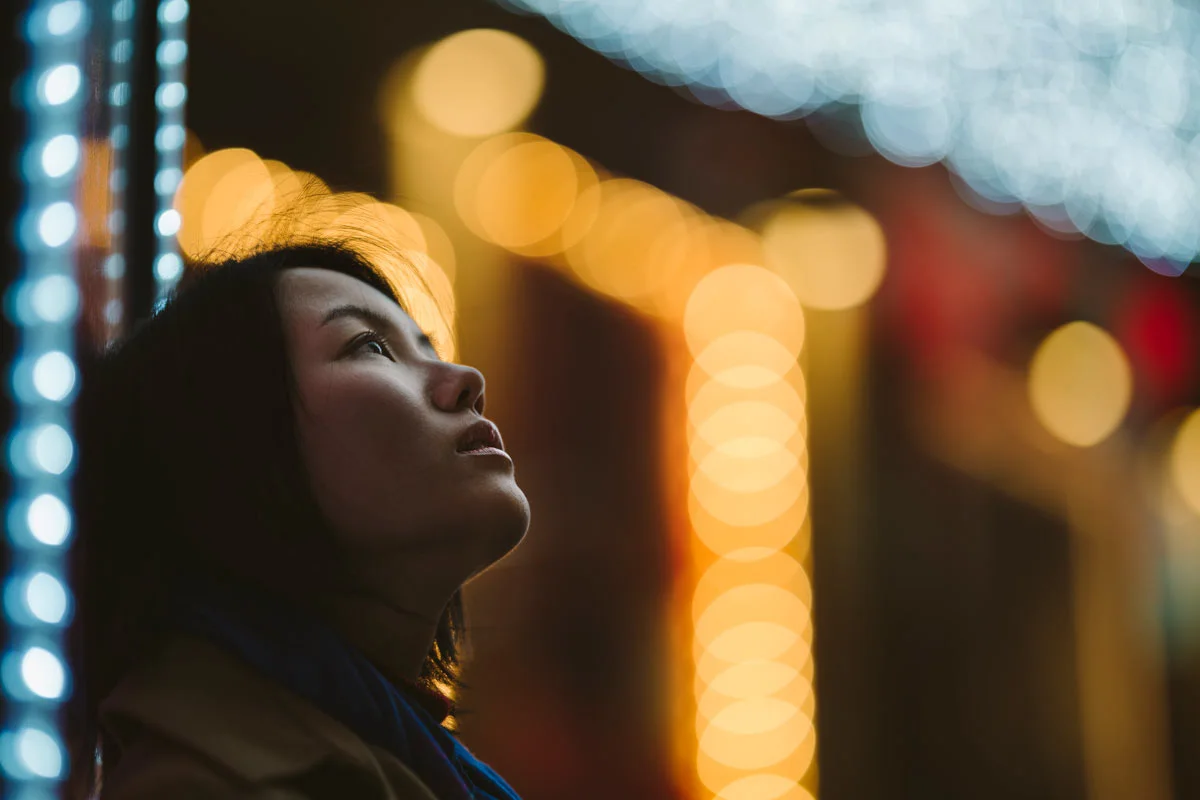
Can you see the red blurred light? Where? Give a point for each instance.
(1157, 326)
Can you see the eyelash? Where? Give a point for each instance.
(374, 336)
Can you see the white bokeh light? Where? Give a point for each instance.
(168, 222)
(167, 181)
(54, 375)
(169, 137)
(39, 752)
(43, 673)
(168, 267)
(62, 18)
(55, 298)
(59, 84)
(170, 95)
(172, 52)
(1088, 113)
(46, 598)
(173, 11)
(56, 223)
(49, 520)
(60, 155)
(51, 448)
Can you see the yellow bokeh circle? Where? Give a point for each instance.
(750, 543)
(765, 786)
(223, 201)
(1080, 384)
(744, 360)
(637, 243)
(830, 251)
(520, 191)
(742, 297)
(478, 82)
(1184, 461)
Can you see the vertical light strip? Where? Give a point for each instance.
(748, 505)
(43, 305)
(119, 97)
(169, 138)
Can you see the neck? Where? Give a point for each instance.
(396, 640)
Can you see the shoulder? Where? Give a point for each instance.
(154, 767)
(196, 723)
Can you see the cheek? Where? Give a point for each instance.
(366, 445)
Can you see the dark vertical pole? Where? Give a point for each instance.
(140, 203)
(12, 64)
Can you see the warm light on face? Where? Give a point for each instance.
(831, 252)
(478, 82)
(1080, 384)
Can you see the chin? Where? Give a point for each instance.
(501, 518)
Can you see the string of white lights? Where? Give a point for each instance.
(119, 97)
(169, 140)
(1088, 114)
(43, 306)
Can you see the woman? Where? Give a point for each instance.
(281, 490)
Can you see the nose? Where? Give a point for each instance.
(460, 388)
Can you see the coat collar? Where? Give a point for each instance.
(196, 694)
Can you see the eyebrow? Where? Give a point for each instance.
(373, 318)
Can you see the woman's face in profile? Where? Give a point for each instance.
(381, 423)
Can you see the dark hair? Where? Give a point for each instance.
(189, 466)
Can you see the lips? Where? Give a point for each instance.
(481, 434)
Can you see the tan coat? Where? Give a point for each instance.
(197, 724)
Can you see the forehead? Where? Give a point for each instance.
(307, 293)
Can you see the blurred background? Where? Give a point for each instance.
(847, 353)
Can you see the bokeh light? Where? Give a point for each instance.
(637, 245)
(748, 506)
(478, 82)
(830, 251)
(764, 787)
(225, 200)
(95, 195)
(1105, 144)
(394, 241)
(1185, 461)
(745, 360)
(526, 194)
(1080, 384)
(741, 297)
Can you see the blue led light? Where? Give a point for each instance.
(169, 140)
(121, 72)
(40, 449)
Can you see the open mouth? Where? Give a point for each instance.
(481, 437)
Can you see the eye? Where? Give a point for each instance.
(374, 338)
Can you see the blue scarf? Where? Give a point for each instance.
(304, 655)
